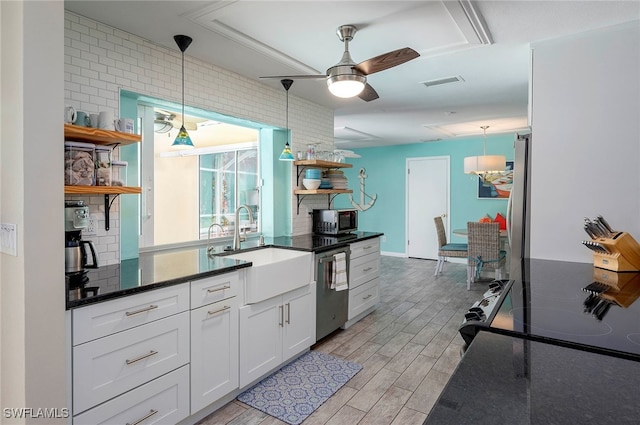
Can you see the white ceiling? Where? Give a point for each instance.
(485, 43)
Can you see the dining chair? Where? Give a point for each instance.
(484, 250)
(445, 250)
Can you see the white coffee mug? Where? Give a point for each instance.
(69, 114)
(94, 120)
(105, 120)
(124, 125)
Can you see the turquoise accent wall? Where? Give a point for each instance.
(386, 171)
(130, 204)
(276, 190)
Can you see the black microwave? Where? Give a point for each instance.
(334, 222)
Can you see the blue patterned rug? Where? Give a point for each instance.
(292, 393)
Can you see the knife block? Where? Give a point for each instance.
(624, 288)
(623, 255)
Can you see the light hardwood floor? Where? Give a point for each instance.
(409, 348)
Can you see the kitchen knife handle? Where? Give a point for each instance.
(605, 224)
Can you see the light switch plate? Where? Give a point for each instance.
(9, 238)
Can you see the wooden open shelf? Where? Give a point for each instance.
(101, 190)
(321, 164)
(98, 136)
(321, 191)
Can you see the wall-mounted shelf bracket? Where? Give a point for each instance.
(107, 207)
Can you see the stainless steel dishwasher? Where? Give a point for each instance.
(331, 305)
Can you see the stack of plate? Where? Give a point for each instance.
(337, 179)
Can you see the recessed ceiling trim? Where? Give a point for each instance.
(350, 134)
(470, 21)
(207, 19)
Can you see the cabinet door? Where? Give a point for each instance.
(214, 352)
(107, 367)
(364, 269)
(299, 331)
(260, 339)
(364, 297)
(161, 401)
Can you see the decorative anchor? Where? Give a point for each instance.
(362, 206)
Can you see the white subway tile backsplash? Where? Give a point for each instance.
(101, 60)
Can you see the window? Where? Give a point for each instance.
(185, 192)
(228, 180)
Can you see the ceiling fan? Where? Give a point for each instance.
(348, 79)
(165, 121)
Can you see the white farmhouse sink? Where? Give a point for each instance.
(274, 272)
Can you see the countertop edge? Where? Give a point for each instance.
(72, 304)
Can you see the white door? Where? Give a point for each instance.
(427, 197)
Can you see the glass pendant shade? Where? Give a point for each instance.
(182, 140)
(286, 154)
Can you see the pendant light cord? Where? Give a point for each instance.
(183, 88)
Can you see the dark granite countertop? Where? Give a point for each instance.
(509, 380)
(157, 269)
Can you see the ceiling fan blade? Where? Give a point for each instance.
(296, 77)
(368, 93)
(387, 60)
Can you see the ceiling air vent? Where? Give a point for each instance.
(440, 81)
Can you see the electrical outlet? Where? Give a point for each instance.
(91, 228)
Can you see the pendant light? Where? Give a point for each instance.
(183, 140)
(286, 154)
(484, 164)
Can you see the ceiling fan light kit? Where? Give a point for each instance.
(346, 85)
(348, 79)
(182, 140)
(484, 164)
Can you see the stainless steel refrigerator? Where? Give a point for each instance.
(518, 214)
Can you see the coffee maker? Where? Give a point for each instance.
(76, 255)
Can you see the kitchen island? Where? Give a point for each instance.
(562, 347)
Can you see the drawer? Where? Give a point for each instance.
(162, 401)
(363, 297)
(358, 249)
(102, 319)
(109, 366)
(215, 288)
(364, 269)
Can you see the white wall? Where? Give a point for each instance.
(101, 60)
(586, 139)
(33, 367)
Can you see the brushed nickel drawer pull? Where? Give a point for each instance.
(145, 417)
(367, 297)
(225, 308)
(281, 316)
(142, 310)
(367, 269)
(368, 247)
(142, 357)
(218, 289)
(288, 312)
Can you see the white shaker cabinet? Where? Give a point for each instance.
(214, 340)
(364, 278)
(162, 401)
(275, 330)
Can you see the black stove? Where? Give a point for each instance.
(570, 304)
